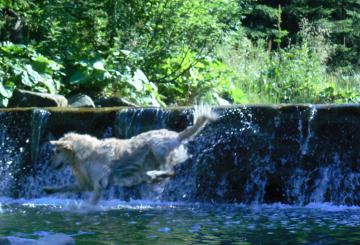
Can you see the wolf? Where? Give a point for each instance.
(148, 157)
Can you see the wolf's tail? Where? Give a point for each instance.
(202, 115)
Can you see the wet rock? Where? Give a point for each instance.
(55, 239)
(114, 102)
(24, 98)
(81, 100)
(11, 240)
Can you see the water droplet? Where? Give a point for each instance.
(164, 229)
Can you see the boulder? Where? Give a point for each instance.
(24, 98)
(54, 239)
(114, 102)
(81, 100)
(11, 240)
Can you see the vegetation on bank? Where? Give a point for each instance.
(176, 52)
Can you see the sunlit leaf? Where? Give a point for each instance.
(99, 65)
(50, 85)
(78, 77)
(25, 79)
(5, 92)
(33, 75)
(125, 52)
(140, 76)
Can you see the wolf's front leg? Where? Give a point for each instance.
(99, 186)
(62, 189)
(158, 175)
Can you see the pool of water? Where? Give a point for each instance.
(145, 222)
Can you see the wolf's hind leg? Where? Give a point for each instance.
(96, 195)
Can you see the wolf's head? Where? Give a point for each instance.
(62, 153)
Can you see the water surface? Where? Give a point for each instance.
(145, 222)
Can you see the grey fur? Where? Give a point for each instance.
(147, 157)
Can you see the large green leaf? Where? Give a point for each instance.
(138, 80)
(33, 75)
(49, 83)
(14, 49)
(99, 65)
(4, 91)
(3, 102)
(78, 77)
(25, 79)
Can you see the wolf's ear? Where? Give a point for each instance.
(61, 144)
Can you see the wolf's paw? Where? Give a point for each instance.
(158, 175)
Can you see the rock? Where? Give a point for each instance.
(24, 98)
(81, 100)
(55, 239)
(113, 102)
(11, 240)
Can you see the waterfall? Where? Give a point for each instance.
(39, 120)
(14, 150)
(252, 154)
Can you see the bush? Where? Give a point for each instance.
(295, 74)
(113, 77)
(22, 67)
(199, 79)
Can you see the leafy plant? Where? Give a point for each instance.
(199, 79)
(22, 67)
(112, 77)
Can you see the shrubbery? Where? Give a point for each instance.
(297, 73)
(22, 67)
(161, 52)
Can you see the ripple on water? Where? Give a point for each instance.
(114, 220)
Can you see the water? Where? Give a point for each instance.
(39, 119)
(253, 158)
(145, 222)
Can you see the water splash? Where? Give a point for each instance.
(14, 148)
(204, 110)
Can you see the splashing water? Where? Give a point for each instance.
(249, 155)
(293, 157)
(204, 110)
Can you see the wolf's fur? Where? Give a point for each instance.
(147, 157)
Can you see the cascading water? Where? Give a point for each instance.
(252, 154)
(305, 156)
(7, 150)
(39, 120)
(14, 151)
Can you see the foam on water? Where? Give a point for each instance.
(83, 206)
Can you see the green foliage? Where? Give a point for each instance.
(341, 18)
(112, 77)
(295, 74)
(84, 36)
(21, 66)
(180, 52)
(200, 78)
